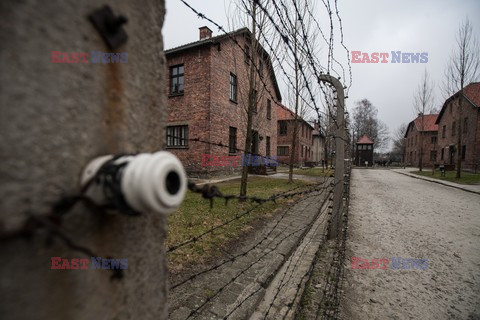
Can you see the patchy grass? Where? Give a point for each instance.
(466, 177)
(316, 172)
(195, 217)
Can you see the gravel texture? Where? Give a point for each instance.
(393, 215)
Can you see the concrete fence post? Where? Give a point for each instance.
(336, 223)
(55, 118)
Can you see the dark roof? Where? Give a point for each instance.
(218, 39)
(364, 140)
(470, 92)
(429, 123)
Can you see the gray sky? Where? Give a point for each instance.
(369, 26)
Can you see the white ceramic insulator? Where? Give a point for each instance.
(150, 182)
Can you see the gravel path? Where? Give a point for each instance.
(392, 215)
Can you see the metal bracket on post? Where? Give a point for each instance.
(336, 223)
(109, 26)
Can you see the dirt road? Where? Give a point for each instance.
(395, 216)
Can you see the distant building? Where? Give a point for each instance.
(447, 122)
(318, 145)
(418, 131)
(364, 152)
(304, 139)
(207, 98)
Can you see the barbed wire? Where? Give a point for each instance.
(259, 202)
(52, 221)
(245, 252)
(218, 291)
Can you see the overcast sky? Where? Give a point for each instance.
(369, 26)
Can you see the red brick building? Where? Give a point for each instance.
(304, 139)
(208, 96)
(447, 122)
(415, 134)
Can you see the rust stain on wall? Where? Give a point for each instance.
(115, 124)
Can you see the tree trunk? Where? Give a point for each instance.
(252, 100)
(295, 121)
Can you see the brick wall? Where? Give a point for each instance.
(206, 106)
(470, 134)
(304, 140)
(413, 148)
(192, 108)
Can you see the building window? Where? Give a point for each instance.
(454, 124)
(442, 153)
(369, 147)
(433, 155)
(233, 87)
(269, 109)
(444, 131)
(232, 140)
(177, 136)
(268, 147)
(302, 151)
(282, 151)
(465, 125)
(464, 151)
(434, 140)
(283, 127)
(246, 54)
(176, 79)
(255, 101)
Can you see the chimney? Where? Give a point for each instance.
(205, 33)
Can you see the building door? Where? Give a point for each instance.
(254, 149)
(452, 154)
(268, 147)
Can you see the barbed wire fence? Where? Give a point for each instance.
(336, 188)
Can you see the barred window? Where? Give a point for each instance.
(246, 54)
(267, 152)
(176, 79)
(177, 136)
(233, 87)
(282, 151)
(283, 127)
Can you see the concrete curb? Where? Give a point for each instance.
(435, 181)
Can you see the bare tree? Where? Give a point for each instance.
(399, 145)
(463, 68)
(297, 23)
(422, 104)
(366, 122)
(246, 12)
